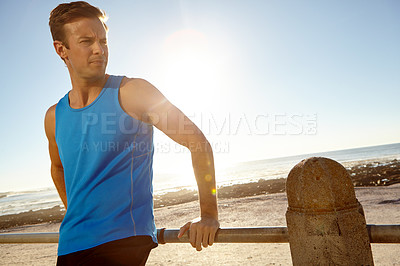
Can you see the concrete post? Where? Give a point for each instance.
(326, 223)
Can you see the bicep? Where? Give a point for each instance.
(54, 155)
(49, 125)
(176, 125)
(151, 106)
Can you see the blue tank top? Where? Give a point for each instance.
(107, 157)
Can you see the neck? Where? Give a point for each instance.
(85, 90)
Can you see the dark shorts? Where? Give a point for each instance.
(128, 251)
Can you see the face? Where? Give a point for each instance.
(87, 55)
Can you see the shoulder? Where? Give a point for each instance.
(136, 85)
(140, 97)
(127, 81)
(50, 120)
(51, 113)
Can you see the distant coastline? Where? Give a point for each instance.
(363, 173)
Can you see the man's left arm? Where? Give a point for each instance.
(154, 108)
(202, 231)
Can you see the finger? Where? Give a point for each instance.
(192, 235)
(212, 237)
(199, 238)
(206, 234)
(184, 229)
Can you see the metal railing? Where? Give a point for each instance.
(377, 234)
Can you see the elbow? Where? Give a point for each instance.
(56, 169)
(199, 143)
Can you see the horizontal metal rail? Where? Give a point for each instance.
(377, 234)
(232, 235)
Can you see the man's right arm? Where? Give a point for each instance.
(57, 170)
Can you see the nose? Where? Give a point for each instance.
(98, 48)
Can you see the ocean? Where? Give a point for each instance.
(244, 172)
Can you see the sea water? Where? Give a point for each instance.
(244, 172)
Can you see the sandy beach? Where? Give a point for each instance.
(257, 204)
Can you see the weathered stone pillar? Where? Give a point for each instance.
(326, 223)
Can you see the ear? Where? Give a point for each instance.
(60, 50)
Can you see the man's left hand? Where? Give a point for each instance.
(201, 231)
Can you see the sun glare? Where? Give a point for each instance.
(191, 68)
(193, 71)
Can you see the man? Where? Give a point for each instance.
(108, 191)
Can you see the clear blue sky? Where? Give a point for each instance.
(262, 78)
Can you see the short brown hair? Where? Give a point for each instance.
(70, 12)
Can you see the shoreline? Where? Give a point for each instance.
(380, 204)
(364, 174)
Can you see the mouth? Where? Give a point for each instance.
(99, 62)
